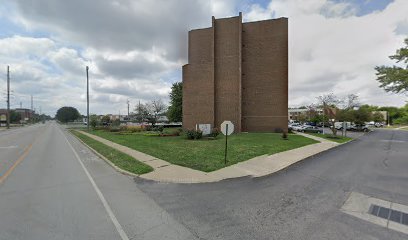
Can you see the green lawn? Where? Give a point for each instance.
(328, 136)
(118, 158)
(207, 155)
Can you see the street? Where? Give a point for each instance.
(48, 194)
(53, 187)
(301, 202)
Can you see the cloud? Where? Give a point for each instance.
(333, 50)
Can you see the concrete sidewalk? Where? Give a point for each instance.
(255, 167)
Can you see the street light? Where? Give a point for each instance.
(87, 98)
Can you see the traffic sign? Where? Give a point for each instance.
(227, 128)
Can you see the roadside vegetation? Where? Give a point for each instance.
(118, 158)
(207, 153)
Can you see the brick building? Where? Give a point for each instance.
(239, 72)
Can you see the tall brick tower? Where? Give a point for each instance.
(237, 71)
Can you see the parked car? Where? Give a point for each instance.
(311, 129)
(359, 128)
(300, 128)
(296, 126)
(379, 124)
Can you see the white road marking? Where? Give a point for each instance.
(100, 195)
(8, 147)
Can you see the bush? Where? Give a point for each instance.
(214, 133)
(194, 134)
(160, 128)
(114, 129)
(134, 129)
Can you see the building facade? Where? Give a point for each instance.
(239, 72)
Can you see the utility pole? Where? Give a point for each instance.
(21, 105)
(32, 110)
(128, 107)
(87, 98)
(8, 97)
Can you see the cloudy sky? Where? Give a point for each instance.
(135, 48)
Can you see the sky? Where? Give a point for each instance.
(135, 48)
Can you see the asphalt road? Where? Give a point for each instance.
(301, 202)
(52, 187)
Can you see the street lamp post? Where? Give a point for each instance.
(87, 98)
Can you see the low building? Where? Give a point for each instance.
(25, 114)
(295, 114)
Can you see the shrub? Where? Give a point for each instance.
(123, 128)
(190, 134)
(114, 129)
(198, 134)
(160, 128)
(214, 133)
(194, 134)
(134, 129)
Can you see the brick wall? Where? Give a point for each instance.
(238, 72)
(265, 75)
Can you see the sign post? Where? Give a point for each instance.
(227, 128)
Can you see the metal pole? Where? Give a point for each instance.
(8, 97)
(323, 120)
(128, 107)
(226, 144)
(87, 98)
(32, 111)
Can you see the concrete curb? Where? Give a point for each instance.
(106, 160)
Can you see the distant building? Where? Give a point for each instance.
(296, 113)
(25, 114)
(239, 72)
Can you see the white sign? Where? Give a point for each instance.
(205, 128)
(3, 117)
(230, 127)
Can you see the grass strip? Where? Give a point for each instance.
(118, 158)
(207, 155)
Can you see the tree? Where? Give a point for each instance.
(175, 112)
(106, 120)
(67, 114)
(378, 117)
(352, 101)
(141, 112)
(93, 121)
(329, 103)
(361, 115)
(395, 78)
(154, 109)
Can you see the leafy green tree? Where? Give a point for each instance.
(395, 78)
(175, 112)
(67, 114)
(93, 121)
(106, 119)
(393, 113)
(378, 117)
(361, 115)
